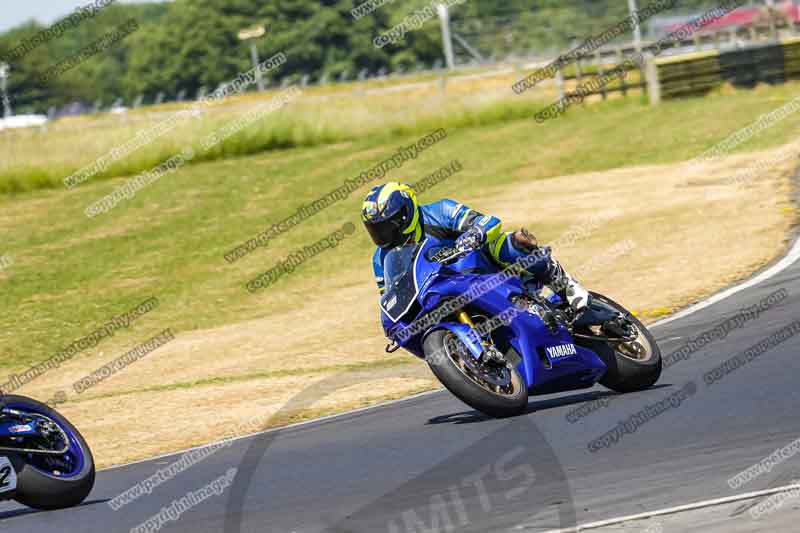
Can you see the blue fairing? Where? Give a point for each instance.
(416, 285)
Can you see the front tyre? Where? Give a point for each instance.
(50, 482)
(497, 391)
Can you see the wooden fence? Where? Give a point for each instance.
(758, 58)
(698, 73)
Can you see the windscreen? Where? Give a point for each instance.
(398, 272)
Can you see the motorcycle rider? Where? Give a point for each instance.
(393, 217)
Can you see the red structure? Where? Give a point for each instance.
(747, 16)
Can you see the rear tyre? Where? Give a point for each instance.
(498, 393)
(632, 366)
(40, 483)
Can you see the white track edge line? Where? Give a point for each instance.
(791, 256)
(671, 510)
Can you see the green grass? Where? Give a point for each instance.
(41, 160)
(70, 273)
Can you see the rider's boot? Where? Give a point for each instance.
(567, 288)
(548, 271)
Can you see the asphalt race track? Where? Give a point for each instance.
(431, 464)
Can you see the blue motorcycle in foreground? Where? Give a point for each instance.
(493, 339)
(44, 461)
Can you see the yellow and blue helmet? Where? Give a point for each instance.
(391, 215)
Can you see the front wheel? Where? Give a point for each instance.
(495, 390)
(632, 366)
(51, 481)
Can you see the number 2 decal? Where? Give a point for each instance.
(5, 472)
(8, 477)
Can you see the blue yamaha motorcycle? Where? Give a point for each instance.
(44, 461)
(493, 338)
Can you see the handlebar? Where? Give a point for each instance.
(451, 254)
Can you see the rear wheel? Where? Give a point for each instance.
(51, 481)
(493, 389)
(632, 366)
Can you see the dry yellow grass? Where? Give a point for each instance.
(210, 384)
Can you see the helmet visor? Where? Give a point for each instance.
(388, 233)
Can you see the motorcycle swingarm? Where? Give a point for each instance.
(38, 451)
(4, 449)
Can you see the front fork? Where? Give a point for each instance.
(490, 352)
(466, 330)
(464, 318)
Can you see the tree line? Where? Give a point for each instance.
(186, 45)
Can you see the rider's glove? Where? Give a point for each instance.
(472, 239)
